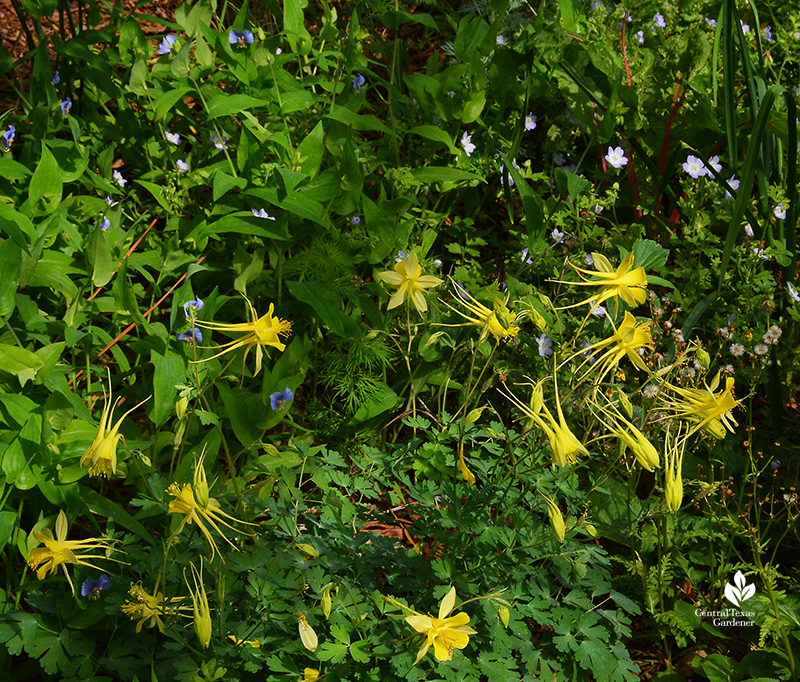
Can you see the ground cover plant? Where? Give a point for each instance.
(373, 341)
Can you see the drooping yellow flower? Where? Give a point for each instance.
(467, 475)
(186, 504)
(625, 283)
(58, 551)
(201, 612)
(149, 608)
(259, 332)
(101, 455)
(626, 340)
(309, 675)
(409, 281)
(702, 407)
(307, 635)
(563, 443)
(643, 450)
(444, 633)
(498, 322)
(556, 519)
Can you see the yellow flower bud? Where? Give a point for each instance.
(468, 476)
(200, 609)
(307, 551)
(703, 358)
(180, 407)
(556, 519)
(474, 415)
(504, 614)
(326, 601)
(200, 483)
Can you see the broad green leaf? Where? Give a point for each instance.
(474, 107)
(224, 183)
(8, 522)
(436, 134)
(244, 411)
(431, 174)
(228, 105)
(294, 26)
(10, 256)
(98, 504)
(241, 223)
(396, 18)
(649, 255)
(169, 371)
(165, 101)
(311, 149)
(19, 361)
(158, 192)
(99, 258)
(357, 121)
(325, 302)
(46, 184)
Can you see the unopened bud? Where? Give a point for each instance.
(504, 614)
(703, 358)
(200, 483)
(307, 550)
(474, 415)
(556, 519)
(180, 407)
(326, 601)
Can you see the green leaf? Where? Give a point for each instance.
(432, 174)
(224, 183)
(46, 184)
(294, 26)
(169, 371)
(568, 19)
(98, 256)
(241, 223)
(165, 101)
(334, 652)
(649, 255)
(396, 18)
(244, 411)
(97, 504)
(436, 134)
(228, 105)
(158, 192)
(383, 401)
(474, 107)
(311, 149)
(8, 522)
(20, 362)
(357, 121)
(325, 302)
(10, 261)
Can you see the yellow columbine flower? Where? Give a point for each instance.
(201, 612)
(629, 285)
(259, 332)
(58, 551)
(193, 512)
(241, 642)
(498, 322)
(467, 475)
(101, 456)
(409, 281)
(309, 675)
(149, 608)
(642, 449)
(445, 634)
(563, 443)
(626, 340)
(704, 408)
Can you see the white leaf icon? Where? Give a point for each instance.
(740, 580)
(732, 594)
(748, 592)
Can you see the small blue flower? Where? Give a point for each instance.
(466, 142)
(183, 167)
(56, 79)
(277, 400)
(240, 38)
(462, 291)
(734, 183)
(193, 332)
(8, 137)
(745, 27)
(166, 45)
(197, 304)
(174, 138)
(355, 220)
(525, 258)
(639, 35)
(530, 121)
(545, 345)
(119, 179)
(358, 82)
(401, 256)
(780, 212)
(589, 260)
(501, 40)
(768, 34)
(105, 224)
(658, 20)
(587, 353)
(92, 588)
(219, 143)
(261, 213)
(111, 203)
(711, 22)
(557, 236)
(66, 105)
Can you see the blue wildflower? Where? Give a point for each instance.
(501, 40)
(119, 179)
(358, 82)
(557, 236)
(545, 345)
(588, 353)
(530, 121)
(355, 220)
(734, 183)
(780, 212)
(174, 138)
(219, 143)
(639, 35)
(768, 34)
(240, 38)
(711, 22)
(525, 258)
(182, 166)
(8, 137)
(462, 291)
(401, 256)
(193, 332)
(197, 304)
(658, 20)
(105, 224)
(261, 213)
(466, 142)
(92, 588)
(166, 44)
(278, 400)
(56, 79)
(66, 105)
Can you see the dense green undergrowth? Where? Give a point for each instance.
(366, 342)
